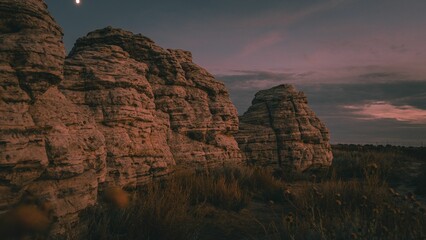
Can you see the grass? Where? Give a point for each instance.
(156, 212)
(420, 181)
(368, 193)
(173, 208)
(353, 209)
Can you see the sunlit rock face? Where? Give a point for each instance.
(280, 130)
(48, 146)
(154, 105)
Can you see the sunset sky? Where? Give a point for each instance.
(362, 63)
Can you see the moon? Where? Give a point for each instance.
(77, 1)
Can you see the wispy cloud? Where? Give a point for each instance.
(359, 75)
(282, 18)
(278, 18)
(260, 43)
(385, 110)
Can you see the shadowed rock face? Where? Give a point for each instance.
(280, 129)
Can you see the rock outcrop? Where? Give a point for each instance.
(280, 130)
(124, 112)
(155, 106)
(48, 146)
(120, 111)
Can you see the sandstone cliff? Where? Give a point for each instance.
(126, 111)
(48, 147)
(280, 129)
(154, 106)
(120, 111)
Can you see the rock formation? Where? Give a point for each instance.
(154, 106)
(48, 147)
(280, 129)
(125, 112)
(120, 110)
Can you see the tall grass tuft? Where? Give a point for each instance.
(157, 212)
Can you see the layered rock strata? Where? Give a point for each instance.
(48, 146)
(126, 111)
(154, 105)
(280, 130)
(120, 111)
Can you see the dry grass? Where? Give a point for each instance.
(353, 209)
(216, 189)
(392, 163)
(420, 181)
(170, 209)
(156, 212)
(360, 205)
(356, 199)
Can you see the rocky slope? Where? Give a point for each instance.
(280, 129)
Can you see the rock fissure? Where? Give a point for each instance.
(271, 122)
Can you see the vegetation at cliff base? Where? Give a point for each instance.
(368, 193)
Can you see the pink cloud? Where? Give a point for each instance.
(385, 110)
(281, 19)
(261, 43)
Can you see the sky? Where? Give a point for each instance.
(361, 63)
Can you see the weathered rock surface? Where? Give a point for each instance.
(126, 111)
(47, 144)
(112, 87)
(120, 110)
(169, 109)
(280, 129)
